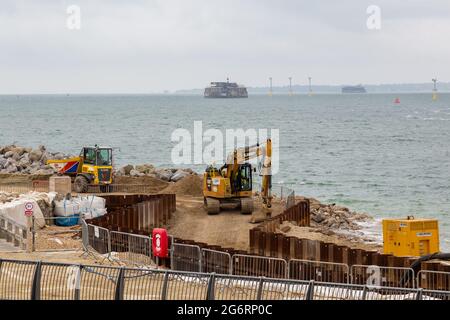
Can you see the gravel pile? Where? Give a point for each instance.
(335, 217)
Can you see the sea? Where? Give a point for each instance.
(363, 151)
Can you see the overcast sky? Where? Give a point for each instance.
(154, 45)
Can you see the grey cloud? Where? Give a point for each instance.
(146, 46)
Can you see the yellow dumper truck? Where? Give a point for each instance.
(92, 167)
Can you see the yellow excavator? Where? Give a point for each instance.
(231, 185)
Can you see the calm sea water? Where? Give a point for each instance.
(362, 151)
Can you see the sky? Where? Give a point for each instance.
(155, 45)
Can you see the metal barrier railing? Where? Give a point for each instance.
(282, 289)
(60, 281)
(98, 239)
(16, 279)
(132, 248)
(186, 257)
(143, 284)
(434, 294)
(376, 276)
(84, 235)
(259, 266)
(186, 286)
(318, 271)
(13, 232)
(228, 287)
(433, 280)
(279, 190)
(216, 261)
(34, 280)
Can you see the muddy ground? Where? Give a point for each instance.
(229, 228)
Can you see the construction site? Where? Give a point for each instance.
(60, 222)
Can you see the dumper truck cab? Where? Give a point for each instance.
(92, 167)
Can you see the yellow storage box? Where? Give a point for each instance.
(410, 237)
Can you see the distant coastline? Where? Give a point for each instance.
(371, 88)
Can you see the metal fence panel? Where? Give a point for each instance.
(236, 288)
(84, 234)
(390, 293)
(433, 280)
(186, 286)
(99, 239)
(186, 257)
(98, 283)
(274, 289)
(143, 284)
(435, 295)
(16, 279)
(131, 248)
(13, 232)
(336, 291)
(280, 191)
(216, 261)
(35, 280)
(60, 281)
(382, 276)
(258, 266)
(318, 271)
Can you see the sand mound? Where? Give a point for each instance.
(188, 186)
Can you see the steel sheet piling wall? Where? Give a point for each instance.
(137, 212)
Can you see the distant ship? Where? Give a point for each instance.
(225, 90)
(354, 89)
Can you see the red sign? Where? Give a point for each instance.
(160, 243)
(28, 213)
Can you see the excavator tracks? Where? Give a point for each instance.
(246, 205)
(212, 206)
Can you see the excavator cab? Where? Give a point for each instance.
(243, 180)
